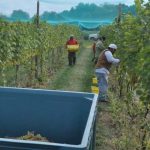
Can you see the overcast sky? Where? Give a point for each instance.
(7, 6)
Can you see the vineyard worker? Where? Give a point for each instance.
(99, 47)
(94, 49)
(103, 66)
(71, 55)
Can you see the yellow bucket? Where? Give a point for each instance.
(73, 48)
(94, 80)
(95, 89)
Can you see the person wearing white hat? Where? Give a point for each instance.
(103, 66)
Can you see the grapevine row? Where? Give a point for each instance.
(28, 53)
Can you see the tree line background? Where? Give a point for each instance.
(80, 12)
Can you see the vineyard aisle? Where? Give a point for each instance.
(77, 77)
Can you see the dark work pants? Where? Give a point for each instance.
(72, 58)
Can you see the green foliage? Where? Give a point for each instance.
(46, 16)
(131, 104)
(18, 15)
(21, 43)
(132, 38)
(80, 12)
(94, 12)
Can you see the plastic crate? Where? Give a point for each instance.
(72, 48)
(65, 118)
(95, 89)
(94, 80)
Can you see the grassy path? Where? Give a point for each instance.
(104, 130)
(78, 78)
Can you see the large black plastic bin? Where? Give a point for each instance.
(65, 118)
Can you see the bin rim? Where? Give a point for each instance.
(90, 121)
(86, 134)
(46, 90)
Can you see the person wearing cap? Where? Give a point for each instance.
(103, 66)
(72, 55)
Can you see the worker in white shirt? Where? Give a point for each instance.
(103, 66)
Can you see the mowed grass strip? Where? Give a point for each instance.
(77, 77)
